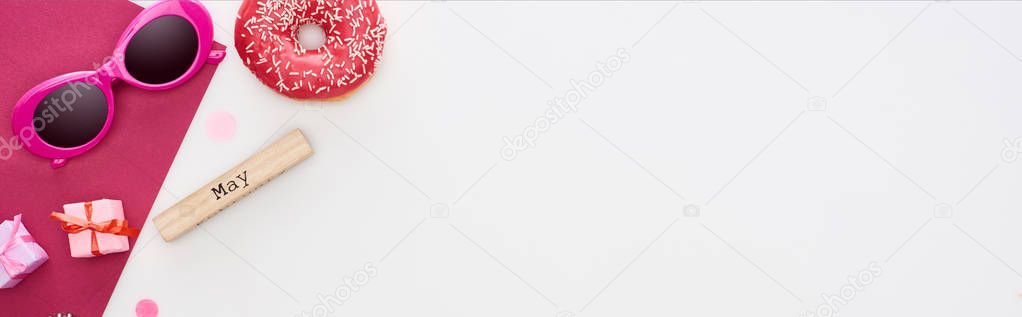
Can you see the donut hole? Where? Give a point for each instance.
(311, 36)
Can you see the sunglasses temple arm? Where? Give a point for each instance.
(216, 56)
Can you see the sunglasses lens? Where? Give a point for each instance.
(71, 115)
(162, 51)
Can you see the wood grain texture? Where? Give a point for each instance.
(228, 188)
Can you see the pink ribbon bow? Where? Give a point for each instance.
(14, 267)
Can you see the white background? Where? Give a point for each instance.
(713, 112)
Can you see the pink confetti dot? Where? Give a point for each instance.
(146, 308)
(220, 126)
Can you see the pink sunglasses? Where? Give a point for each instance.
(163, 47)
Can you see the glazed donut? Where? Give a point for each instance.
(266, 37)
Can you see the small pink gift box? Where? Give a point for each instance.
(95, 228)
(19, 254)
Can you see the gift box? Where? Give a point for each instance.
(95, 228)
(19, 253)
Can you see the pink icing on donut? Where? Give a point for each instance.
(266, 37)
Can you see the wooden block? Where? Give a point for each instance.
(237, 182)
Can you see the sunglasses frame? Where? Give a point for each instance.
(112, 71)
